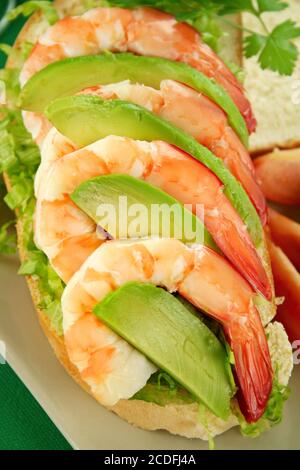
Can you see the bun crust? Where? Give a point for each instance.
(175, 418)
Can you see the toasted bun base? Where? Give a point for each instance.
(177, 419)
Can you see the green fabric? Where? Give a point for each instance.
(23, 423)
(10, 33)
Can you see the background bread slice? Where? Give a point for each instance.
(275, 99)
(177, 419)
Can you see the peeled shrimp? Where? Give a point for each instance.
(198, 116)
(111, 367)
(55, 146)
(37, 125)
(191, 111)
(158, 163)
(198, 274)
(143, 31)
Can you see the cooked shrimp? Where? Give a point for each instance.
(37, 125)
(195, 114)
(160, 164)
(143, 31)
(279, 173)
(200, 117)
(111, 367)
(198, 274)
(54, 146)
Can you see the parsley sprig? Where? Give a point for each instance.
(275, 49)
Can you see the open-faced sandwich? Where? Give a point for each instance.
(168, 329)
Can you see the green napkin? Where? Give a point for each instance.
(9, 34)
(23, 423)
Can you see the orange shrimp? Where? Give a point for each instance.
(160, 164)
(54, 146)
(198, 116)
(191, 111)
(142, 31)
(37, 125)
(108, 364)
(200, 275)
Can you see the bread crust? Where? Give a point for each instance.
(175, 418)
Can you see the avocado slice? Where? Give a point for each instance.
(69, 76)
(159, 326)
(162, 395)
(108, 189)
(85, 119)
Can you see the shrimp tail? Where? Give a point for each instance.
(253, 369)
(230, 302)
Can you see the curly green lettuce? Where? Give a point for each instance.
(19, 159)
(272, 415)
(7, 238)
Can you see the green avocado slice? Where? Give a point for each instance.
(162, 395)
(148, 208)
(69, 76)
(85, 119)
(158, 325)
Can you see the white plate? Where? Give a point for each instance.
(84, 423)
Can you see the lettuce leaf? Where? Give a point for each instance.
(272, 415)
(161, 389)
(7, 238)
(30, 7)
(10, 88)
(19, 158)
